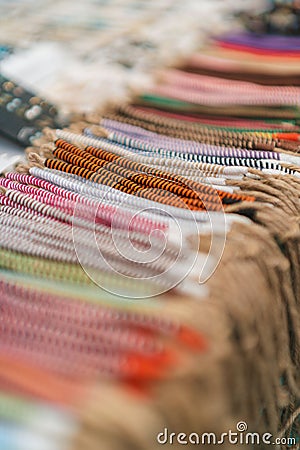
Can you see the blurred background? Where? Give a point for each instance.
(80, 55)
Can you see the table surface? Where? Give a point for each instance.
(10, 147)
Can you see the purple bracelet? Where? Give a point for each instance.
(267, 42)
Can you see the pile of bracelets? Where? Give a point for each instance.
(150, 263)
